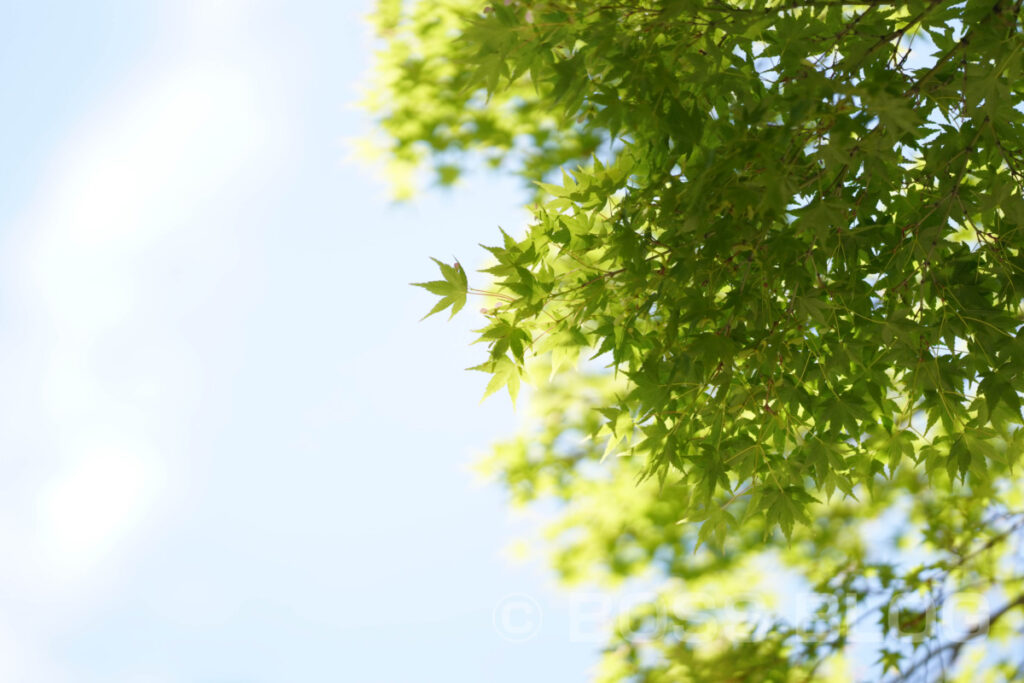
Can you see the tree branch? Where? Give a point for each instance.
(956, 646)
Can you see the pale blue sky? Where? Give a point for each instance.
(228, 450)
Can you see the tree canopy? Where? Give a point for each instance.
(768, 303)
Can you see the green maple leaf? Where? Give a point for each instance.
(452, 289)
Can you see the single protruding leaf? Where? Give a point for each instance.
(452, 289)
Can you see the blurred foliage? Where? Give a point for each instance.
(788, 236)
